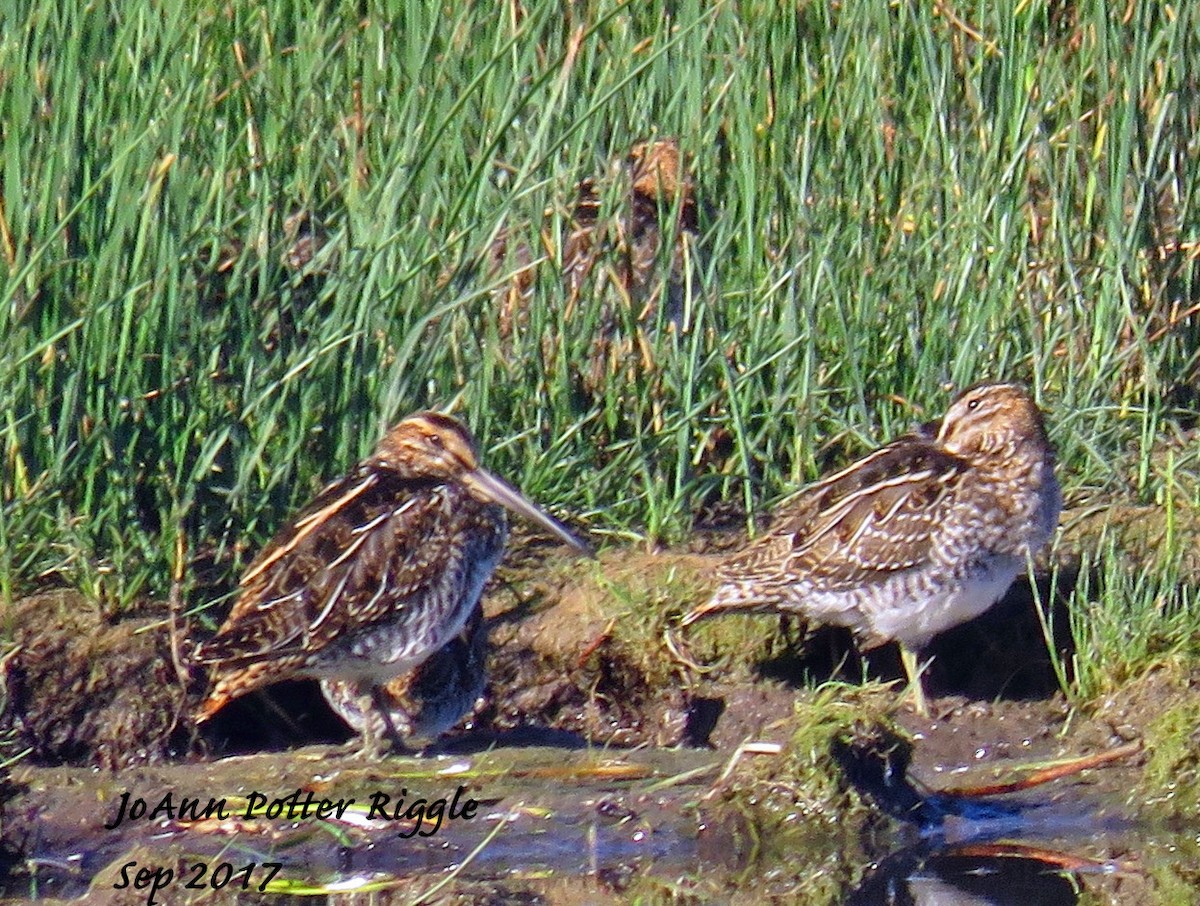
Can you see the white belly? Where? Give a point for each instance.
(915, 620)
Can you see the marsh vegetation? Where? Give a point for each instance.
(239, 240)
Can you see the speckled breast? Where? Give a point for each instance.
(436, 612)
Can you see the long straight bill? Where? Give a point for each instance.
(497, 490)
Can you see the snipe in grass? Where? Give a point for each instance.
(619, 228)
(380, 572)
(633, 267)
(621, 246)
(919, 536)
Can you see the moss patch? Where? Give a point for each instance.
(1171, 780)
(799, 805)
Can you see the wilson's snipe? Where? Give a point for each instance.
(377, 574)
(629, 243)
(424, 703)
(610, 250)
(632, 259)
(919, 536)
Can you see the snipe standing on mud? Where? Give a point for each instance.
(380, 572)
(923, 534)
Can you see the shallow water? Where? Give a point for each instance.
(552, 826)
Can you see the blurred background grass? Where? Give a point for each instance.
(905, 198)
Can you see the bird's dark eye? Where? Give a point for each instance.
(435, 441)
(973, 404)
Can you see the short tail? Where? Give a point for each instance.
(210, 706)
(234, 684)
(729, 597)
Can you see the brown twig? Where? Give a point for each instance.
(596, 643)
(1047, 774)
(1059, 860)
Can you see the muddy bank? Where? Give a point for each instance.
(585, 658)
(83, 688)
(585, 653)
(544, 825)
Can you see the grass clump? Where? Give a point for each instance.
(800, 801)
(1131, 612)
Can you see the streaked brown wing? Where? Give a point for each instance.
(580, 248)
(362, 546)
(862, 524)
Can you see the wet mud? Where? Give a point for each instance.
(614, 756)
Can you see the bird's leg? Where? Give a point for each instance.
(396, 736)
(373, 746)
(908, 657)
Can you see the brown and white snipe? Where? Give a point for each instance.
(378, 574)
(921, 535)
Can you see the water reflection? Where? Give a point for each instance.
(948, 879)
(634, 826)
